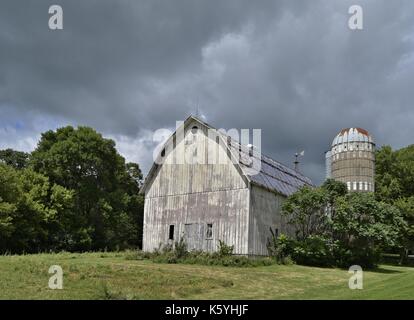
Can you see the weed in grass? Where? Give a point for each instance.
(108, 294)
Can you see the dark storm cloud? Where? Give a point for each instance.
(291, 68)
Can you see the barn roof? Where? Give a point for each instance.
(273, 175)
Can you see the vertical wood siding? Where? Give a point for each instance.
(196, 195)
(265, 213)
(226, 210)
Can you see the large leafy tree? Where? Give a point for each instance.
(405, 170)
(32, 211)
(394, 173)
(16, 159)
(105, 187)
(365, 227)
(342, 228)
(310, 209)
(406, 206)
(9, 196)
(306, 211)
(394, 181)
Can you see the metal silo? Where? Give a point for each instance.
(352, 159)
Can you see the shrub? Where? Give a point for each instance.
(334, 227)
(287, 261)
(215, 259)
(313, 251)
(166, 257)
(366, 257)
(224, 249)
(167, 248)
(280, 248)
(180, 248)
(179, 254)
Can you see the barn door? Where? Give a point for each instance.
(193, 236)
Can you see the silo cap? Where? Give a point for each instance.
(352, 135)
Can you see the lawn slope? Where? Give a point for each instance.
(112, 276)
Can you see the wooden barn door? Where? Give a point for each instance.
(193, 236)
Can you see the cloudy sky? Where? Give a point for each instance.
(292, 68)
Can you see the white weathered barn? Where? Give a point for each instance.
(206, 201)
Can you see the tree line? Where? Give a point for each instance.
(74, 192)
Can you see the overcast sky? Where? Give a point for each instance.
(292, 68)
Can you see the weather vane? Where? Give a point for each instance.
(297, 155)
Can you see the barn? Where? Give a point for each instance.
(217, 197)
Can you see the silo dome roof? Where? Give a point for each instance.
(352, 135)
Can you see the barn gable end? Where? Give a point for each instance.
(203, 202)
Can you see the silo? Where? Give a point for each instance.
(352, 159)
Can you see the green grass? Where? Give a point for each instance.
(112, 276)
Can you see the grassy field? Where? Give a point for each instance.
(112, 276)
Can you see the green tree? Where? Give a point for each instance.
(105, 188)
(306, 211)
(405, 170)
(9, 194)
(333, 189)
(394, 181)
(394, 173)
(16, 159)
(30, 210)
(337, 227)
(406, 207)
(365, 227)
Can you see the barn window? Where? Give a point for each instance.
(209, 231)
(194, 130)
(171, 232)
